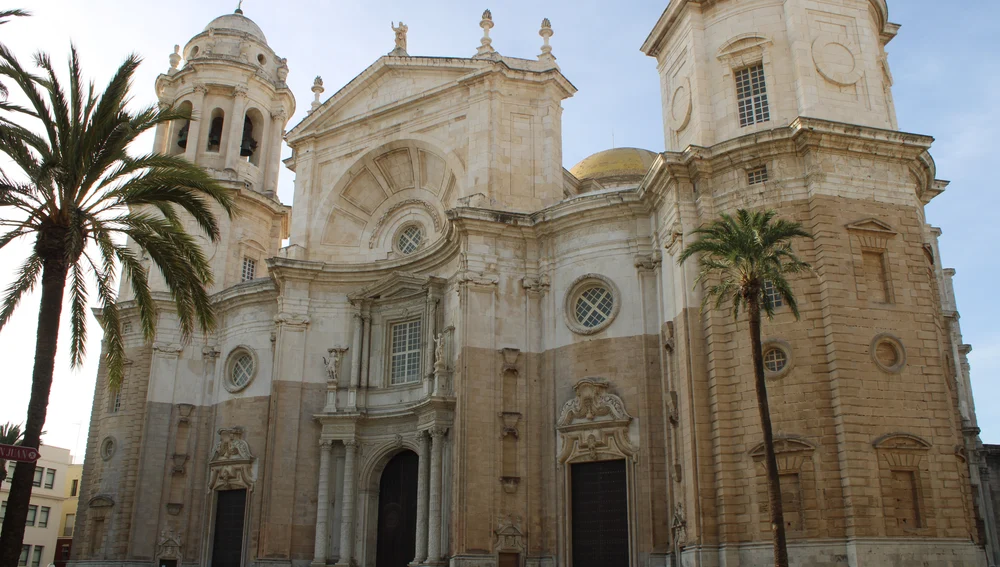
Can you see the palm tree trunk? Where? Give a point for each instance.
(53, 283)
(771, 462)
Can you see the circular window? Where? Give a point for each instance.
(261, 59)
(775, 360)
(410, 239)
(194, 52)
(888, 353)
(592, 303)
(242, 368)
(107, 448)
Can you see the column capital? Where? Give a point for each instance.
(326, 444)
(437, 431)
(350, 443)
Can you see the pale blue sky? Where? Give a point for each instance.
(945, 63)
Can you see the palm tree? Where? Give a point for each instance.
(737, 255)
(79, 194)
(10, 434)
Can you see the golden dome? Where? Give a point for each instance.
(616, 166)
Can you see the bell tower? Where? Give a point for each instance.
(234, 85)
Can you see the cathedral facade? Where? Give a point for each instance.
(465, 354)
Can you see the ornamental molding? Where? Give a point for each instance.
(291, 319)
(435, 217)
(594, 425)
(510, 538)
(231, 466)
(169, 545)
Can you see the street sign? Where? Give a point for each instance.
(16, 453)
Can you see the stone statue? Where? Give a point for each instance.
(400, 50)
(439, 363)
(282, 69)
(333, 363)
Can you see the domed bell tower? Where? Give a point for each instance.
(234, 85)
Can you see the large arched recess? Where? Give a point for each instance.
(405, 178)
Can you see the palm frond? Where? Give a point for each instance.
(27, 278)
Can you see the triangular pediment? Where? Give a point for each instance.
(397, 285)
(871, 225)
(388, 83)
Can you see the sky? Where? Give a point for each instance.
(944, 61)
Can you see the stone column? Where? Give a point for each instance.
(347, 515)
(422, 474)
(352, 393)
(198, 118)
(366, 346)
(273, 165)
(163, 131)
(322, 501)
(236, 127)
(434, 522)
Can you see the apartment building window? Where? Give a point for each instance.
(249, 269)
(70, 524)
(32, 513)
(74, 487)
(751, 95)
(25, 552)
(50, 478)
(36, 556)
(37, 481)
(405, 357)
(43, 517)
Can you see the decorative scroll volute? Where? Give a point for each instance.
(231, 466)
(594, 425)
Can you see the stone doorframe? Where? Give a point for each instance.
(594, 426)
(230, 468)
(374, 464)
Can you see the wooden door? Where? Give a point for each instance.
(397, 511)
(227, 544)
(600, 514)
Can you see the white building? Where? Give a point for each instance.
(45, 511)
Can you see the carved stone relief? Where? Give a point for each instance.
(594, 425)
(231, 466)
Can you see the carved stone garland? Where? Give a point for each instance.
(594, 425)
(231, 466)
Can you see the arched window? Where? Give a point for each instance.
(253, 125)
(180, 128)
(215, 130)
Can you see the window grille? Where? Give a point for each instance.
(594, 306)
(249, 269)
(757, 175)
(775, 360)
(772, 297)
(405, 353)
(751, 95)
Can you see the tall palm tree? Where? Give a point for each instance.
(736, 256)
(79, 194)
(10, 434)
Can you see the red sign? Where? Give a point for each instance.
(15, 453)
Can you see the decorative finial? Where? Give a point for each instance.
(239, 8)
(317, 90)
(400, 49)
(485, 50)
(175, 59)
(546, 33)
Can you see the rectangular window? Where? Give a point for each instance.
(74, 487)
(876, 278)
(36, 556)
(37, 481)
(751, 95)
(43, 517)
(757, 175)
(25, 552)
(771, 295)
(50, 478)
(405, 362)
(116, 402)
(32, 512)
(70, 524)
(249, 269)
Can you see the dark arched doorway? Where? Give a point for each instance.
(397, 511)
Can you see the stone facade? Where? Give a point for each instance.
(450, 290)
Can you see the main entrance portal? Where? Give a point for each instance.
(397, 511)
(227, 545)
(600, 514)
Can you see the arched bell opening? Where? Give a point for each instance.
(180, 129)
(215, 130)
(253, 125)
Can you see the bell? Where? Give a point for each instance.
(182, 137)
(215, 134)
(248, 145)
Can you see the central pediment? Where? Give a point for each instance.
(393, 82)
(397, 285)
